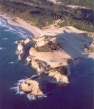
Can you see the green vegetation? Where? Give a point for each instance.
(49, 47)
(42, 13)
(63, 70)
(82, 25)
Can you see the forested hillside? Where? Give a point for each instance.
(43, 13)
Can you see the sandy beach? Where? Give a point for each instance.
(70, 35)
(21, 23)
(37, 32)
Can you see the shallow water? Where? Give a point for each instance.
(78, 94)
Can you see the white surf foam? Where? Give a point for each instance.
(12, 29)
(12, 62)
(4, 38)
(40, 97)
(31, 97)
(20, 81)
(2, 22)
(17, 89)
(1, 48)
(15, 42)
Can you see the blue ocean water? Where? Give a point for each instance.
(78, 94)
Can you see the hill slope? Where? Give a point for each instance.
(43, 13)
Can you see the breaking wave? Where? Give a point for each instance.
(32, 97)
(17, 89)
(4, 38)
(12, 62)
(21, 32)
(15, 42)
(1, 48)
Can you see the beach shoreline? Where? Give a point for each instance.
(15, 21)
(51, 31)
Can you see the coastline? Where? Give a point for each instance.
(51, 31)
(15, 21)
(37, 32)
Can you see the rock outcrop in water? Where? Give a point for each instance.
(23, 46)
(20, 50)
(46, 61)
(50, 56)
(36, 84)
(31, 86)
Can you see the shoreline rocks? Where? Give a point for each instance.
(35, 85)
(43, 63)
(23, 46)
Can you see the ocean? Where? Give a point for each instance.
(78, 94)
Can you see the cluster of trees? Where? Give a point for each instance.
(82, 25)
(49, 47)
(43, 13)
(62, 69)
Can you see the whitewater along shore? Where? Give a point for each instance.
(15, 21)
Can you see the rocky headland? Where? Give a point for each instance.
(51, 56)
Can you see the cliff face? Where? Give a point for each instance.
(22, 47)
(20, 50)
